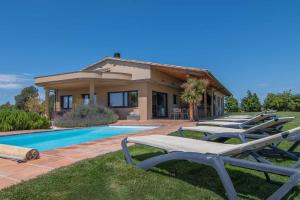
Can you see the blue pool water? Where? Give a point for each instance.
(55, 139)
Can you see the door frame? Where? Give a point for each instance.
(166, 106)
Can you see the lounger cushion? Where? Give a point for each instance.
(231, 120)
(222, 130)
(239, 116)
(219, 123)
(172, 143)
(180, 144)
(213, 130)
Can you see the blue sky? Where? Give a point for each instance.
(246, 44)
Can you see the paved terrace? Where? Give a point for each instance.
(12, 172)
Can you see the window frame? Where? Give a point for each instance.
(62, 102)
(175, 99)
(82, 97)
(123, 99)
(87, 94)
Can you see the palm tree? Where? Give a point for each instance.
(193, 93)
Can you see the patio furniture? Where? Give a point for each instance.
(179, 113)
(247, 124)
(217, 155)
(254, 132)
(222, 134)
(184, 113)
(248, 116)
(133, 116)
(176, 113)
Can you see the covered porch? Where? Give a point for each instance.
(64, 92)
(211, 106)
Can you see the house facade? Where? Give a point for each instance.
(145, 89)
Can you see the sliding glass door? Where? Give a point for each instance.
(159, 105)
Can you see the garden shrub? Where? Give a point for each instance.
(284, 101)
(296, 99)
(231, 104)
(13, 119)
(86, 115)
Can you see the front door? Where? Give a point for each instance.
(159, 105)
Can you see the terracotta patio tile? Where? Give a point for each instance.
(28, 172)
(6, 182)
(59, 163)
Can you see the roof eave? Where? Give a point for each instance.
(219, 83)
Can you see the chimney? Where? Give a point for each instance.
(117, 55)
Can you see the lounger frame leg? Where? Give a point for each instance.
(294, 146)
(218, 163)
(126, 151)
(242, 137)
(284, 153)
(180, 132)
(294, 174)
(213, 161)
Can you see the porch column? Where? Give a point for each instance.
(205, 103)
(222, 105)
(217, 105)
(47, 102)
(212, 103)
(92, 92)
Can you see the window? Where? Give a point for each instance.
(66, 102)
(86, 99)
(175, 99)
(123, 99)
(116, 99)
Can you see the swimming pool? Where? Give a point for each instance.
(62, 138)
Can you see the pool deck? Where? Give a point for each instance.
(12, 172)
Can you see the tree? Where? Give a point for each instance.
(285, 101)
(33, 104)
(193, 93)
(271, 102)
(25, 95)
(231, 104)
(296, 99)
(251, 103)
(7, 105)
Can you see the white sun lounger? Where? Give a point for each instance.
(232, 119)
(216, 155)
(239, 116)
(248, 116)
(254, 132)
(248, 123)
(270, 127)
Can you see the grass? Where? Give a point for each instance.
(109, 177)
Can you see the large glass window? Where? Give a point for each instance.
(116, 99)
(175, 99)
(86, 99)
(123, 99)
(133, 99)
(66, 102)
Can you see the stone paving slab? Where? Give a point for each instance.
(12, 172)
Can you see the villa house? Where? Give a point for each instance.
(149, 90)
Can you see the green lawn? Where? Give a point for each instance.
(109, 177)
